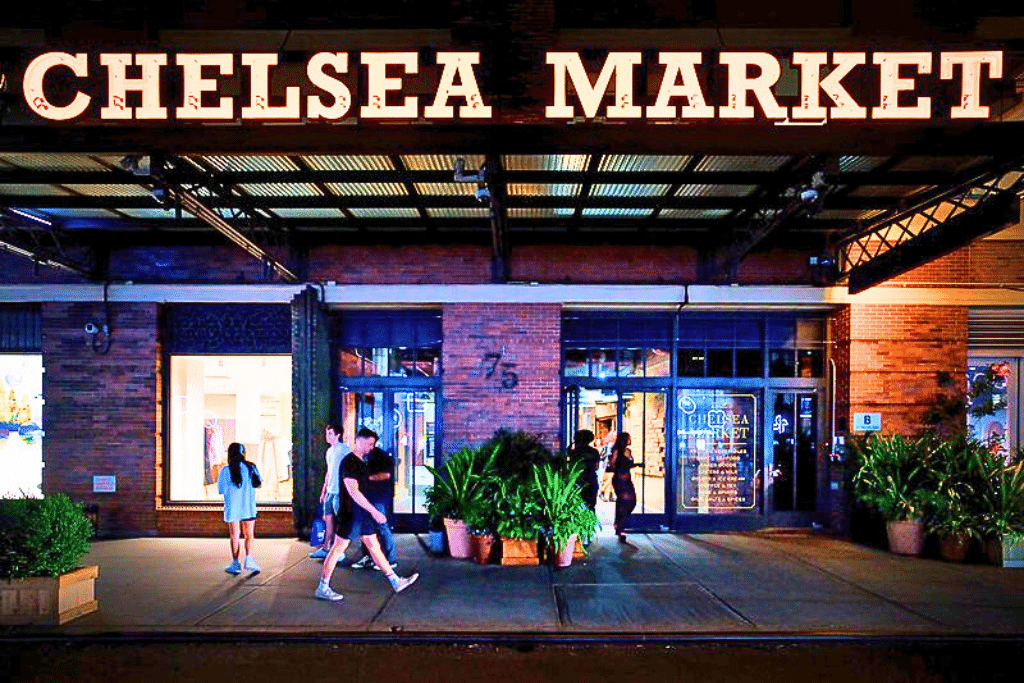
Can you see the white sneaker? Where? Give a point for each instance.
(325, 593)
(364, 563)
(394, 565)
(405, 582)
(250, 565)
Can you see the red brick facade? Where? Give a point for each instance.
(475, 405)
(103, 411)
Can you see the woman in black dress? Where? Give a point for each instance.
(621, 463)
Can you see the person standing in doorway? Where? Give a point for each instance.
(238, 483)
(330, 493)
(589, 457)
(364, 522)
(621, 463)
(380, 490)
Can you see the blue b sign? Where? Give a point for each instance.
(867, 422)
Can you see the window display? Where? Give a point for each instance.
(216, 400)
(21, 425)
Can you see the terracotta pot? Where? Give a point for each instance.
(578, 553)
(563, 558)
(906, 538)
(517, 551)
(994, 551)
(482, 546)
(954, 547)
(458, 539)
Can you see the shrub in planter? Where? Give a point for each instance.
(1003, 522)
(461, 482)
(959, 470)
(564, 515)
(42, 542)
(517, 510)
(892, 475)
(518, 453)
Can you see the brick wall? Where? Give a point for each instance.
(102, 411)
(474, 405)
(603, 263)
(417, 264)
(210, 522)
(896, 354)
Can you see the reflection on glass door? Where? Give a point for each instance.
(716, 438)
(795, 453)
(405, 422)
(641, 414)
(994, 413)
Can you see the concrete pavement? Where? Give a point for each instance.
(728, 584)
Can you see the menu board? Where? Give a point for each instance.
(717, 437)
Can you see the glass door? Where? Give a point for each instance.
(792, 481)
(406, 422)
(606, 412)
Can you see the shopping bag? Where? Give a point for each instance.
(318, 530)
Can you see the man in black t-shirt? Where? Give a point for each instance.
(364, 520)
(380, 490)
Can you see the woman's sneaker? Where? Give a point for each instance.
(318, 554)
(233, 568)
(250, 565)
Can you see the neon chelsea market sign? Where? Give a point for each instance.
(211, 87)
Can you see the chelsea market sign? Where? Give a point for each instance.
(55, 86)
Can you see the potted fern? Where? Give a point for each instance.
(892, 475)
(564, 514)
(462, 481)
(1003, 524)
(42, 541)
(518, 521)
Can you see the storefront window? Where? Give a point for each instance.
(575, 363)
(216, 400)
(21, 425)
(991, 389)
(389, 362)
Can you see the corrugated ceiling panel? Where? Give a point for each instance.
(534, 212)
(693, 213)
(458, 213)
(715, 190)
(441, 162)
(33, 190)
(642, 162)
(544, 190)
(546, 162)
(847, 214)
(154, 213)
(360, 162)
(255, 162)
(309, 213)
(445, 189)
(948, 164)
(741, 163)
(79, 213)
(859, 164)
(109, 190)
(282, 189)
(368, 189)
(385, 213)
(597, 212)
(54, 162)
(621, 190)
(888, 190)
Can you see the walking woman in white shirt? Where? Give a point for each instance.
(239, 484)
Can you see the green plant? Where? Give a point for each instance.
(518, 453)
(42, 536)
(1004, 517)
(958, 468)
(466, 476)
(563, 511)
(518, 509)
(892, 475)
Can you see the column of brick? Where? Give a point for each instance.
(101, 414)
(475, 405)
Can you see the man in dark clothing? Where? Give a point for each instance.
(364, 521)
(589, 457)
(380, 490)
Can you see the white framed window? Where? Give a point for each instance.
(217, 400)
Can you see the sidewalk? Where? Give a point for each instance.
(656, 585)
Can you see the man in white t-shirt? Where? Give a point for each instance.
(330, 494)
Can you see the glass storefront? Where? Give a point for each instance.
(217, 400)
(21, 425)
(733, 400)
(993, 415)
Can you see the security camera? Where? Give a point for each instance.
(808, 195)
(483, 195)
(90, 328)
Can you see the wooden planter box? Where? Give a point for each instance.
(515, 551)
(47, 600)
